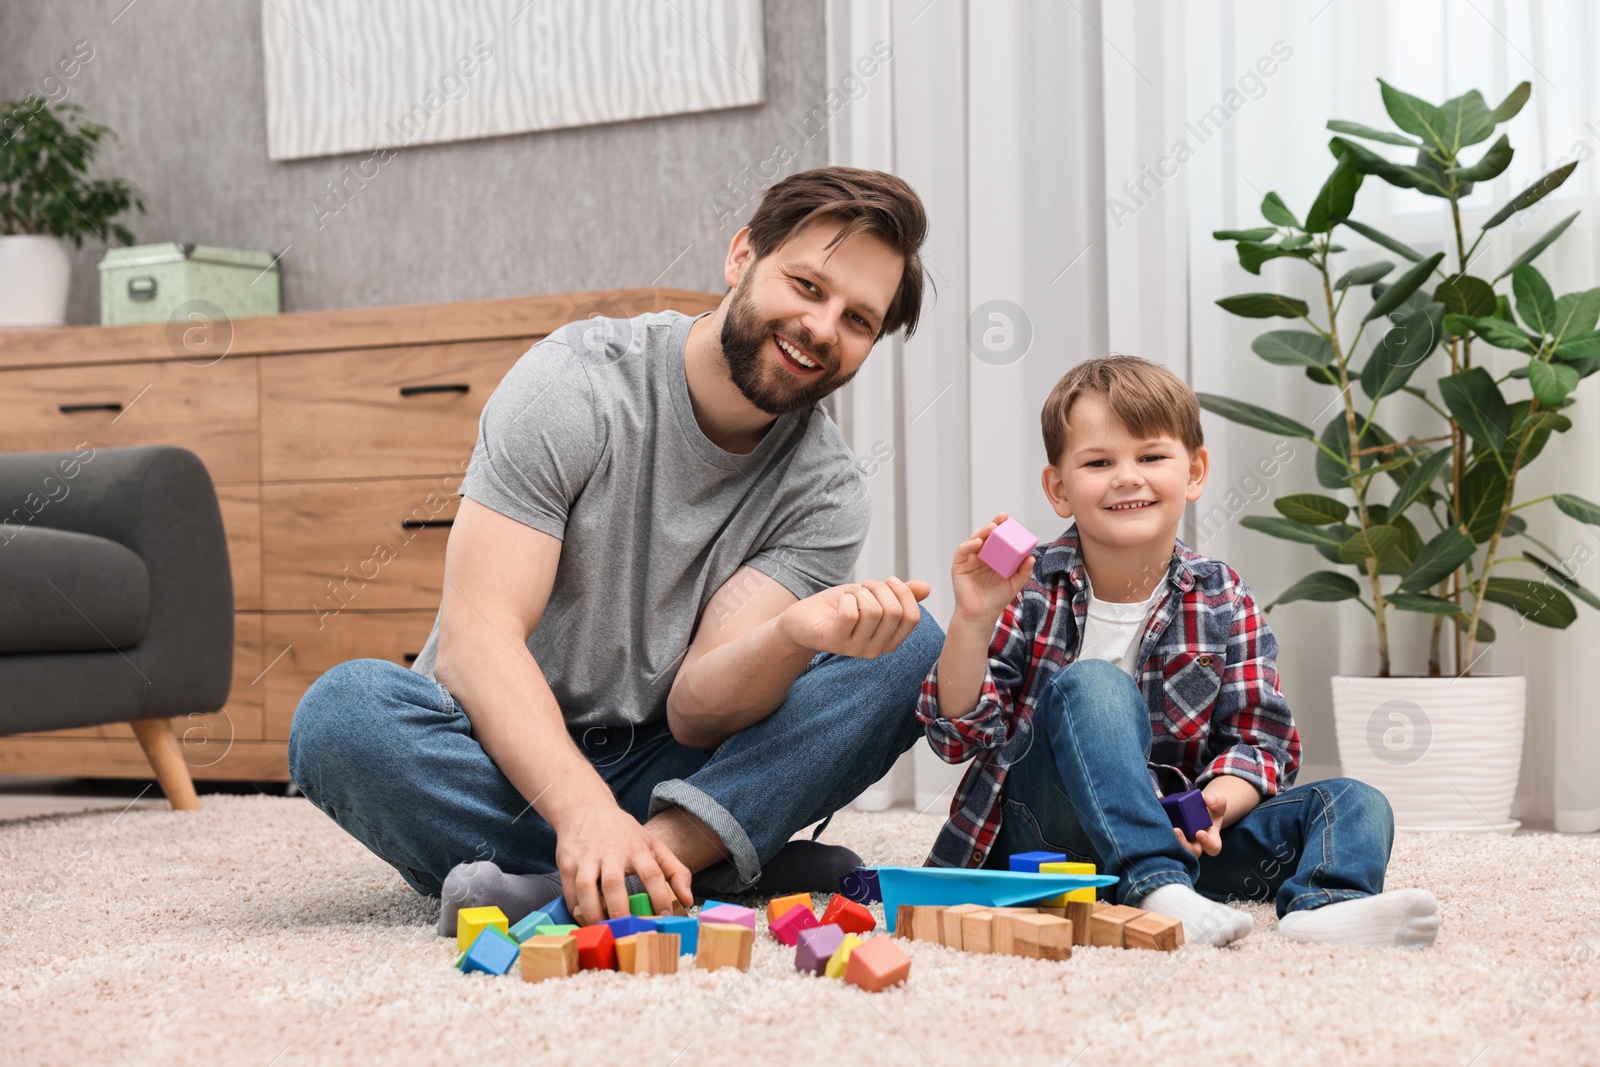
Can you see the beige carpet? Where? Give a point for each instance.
(256, 932)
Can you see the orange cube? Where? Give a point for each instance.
(876, 964)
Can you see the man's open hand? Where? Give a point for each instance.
(863, 619)
(599, 847)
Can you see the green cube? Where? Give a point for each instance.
(639, 904)
(558, 930)
(528, 925)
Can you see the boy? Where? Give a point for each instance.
(1068, 747)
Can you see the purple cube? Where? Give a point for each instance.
(861, 886)
(816, 947)
(1187, 811)
(1005, 548)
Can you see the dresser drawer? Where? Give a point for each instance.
(306, 646)
(363, 546)
(377, 413)
(210, 410)
(241, 522)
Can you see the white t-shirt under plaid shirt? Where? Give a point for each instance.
(1112, 631)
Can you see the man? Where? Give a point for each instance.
(647, 661)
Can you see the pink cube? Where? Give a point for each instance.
(788, 926)
(1005, 548)
(816, 946)
(729, 913)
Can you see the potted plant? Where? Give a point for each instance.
(1424, 520)
(46, 199)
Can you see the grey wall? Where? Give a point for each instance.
(590, 208)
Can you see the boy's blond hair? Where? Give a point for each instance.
(1145, 397)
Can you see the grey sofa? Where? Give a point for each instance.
(116, 598)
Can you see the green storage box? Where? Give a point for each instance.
(154, 283)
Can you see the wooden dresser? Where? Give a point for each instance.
(337, 441)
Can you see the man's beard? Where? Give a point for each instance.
(744, 337)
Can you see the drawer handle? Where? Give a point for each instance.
(410, 657)
(414, 390)
(67, 409)
(426, 524)
(142, 288)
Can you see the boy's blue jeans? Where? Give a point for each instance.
(390, 757)
(1083, 789)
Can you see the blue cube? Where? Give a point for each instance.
(1029, 861)
(630, 924)
(528, 924)
(709, 904)
(558, 912)
(687, 927)
(861, 886)
(492, 952)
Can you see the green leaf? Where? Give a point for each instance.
(1294, 348)
(1400, 350)
(1291, 531)
(1432, 605)
(1462, 294)
(1578, 508)
(1367, 161)
(1276, 212)
(1335, 199)
(1398, 559)
(1252, 254)
(1532, 251)
(1569, 584)
(1538, 602)
(1447, 550)
(1364, 275)
(1264, 306)
(1532, 194)
(1467, 121)
(1403, 287)
(1495, 331)
(1551, 382)
(1475, 401)
(1380, 238)
(1483, 494)
(1253, 416)
(1414, 115)
(1541, 424)
(1312, 508)
(1536, 304)
(1363, 544)
(1485, 631)
(1259, 233)
(1577, 313)
(1325, 586)
(1356, 129)
(1492, 163)
(1507, 109)
(1335, 437)
(1421, 479)
(1581, 347)
(1340, 534)
(1299, 240)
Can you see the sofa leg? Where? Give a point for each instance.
(161, 749)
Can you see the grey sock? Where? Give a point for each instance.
(806, 867)
(482, 883)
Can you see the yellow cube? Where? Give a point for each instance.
(1084, 895)
(471, 921)
(841, 956)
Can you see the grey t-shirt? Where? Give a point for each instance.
(591, 438)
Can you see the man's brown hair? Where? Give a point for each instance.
(866, 201)
(1145, 397)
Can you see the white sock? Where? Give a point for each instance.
(1205, 922)
(1401, 918)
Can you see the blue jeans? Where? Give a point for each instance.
(389, 756)
(1083, 789)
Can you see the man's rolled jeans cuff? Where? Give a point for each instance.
(680, 794)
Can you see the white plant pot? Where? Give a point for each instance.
(1446, 752)
(34, 273)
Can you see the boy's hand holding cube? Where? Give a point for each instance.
(981, 592)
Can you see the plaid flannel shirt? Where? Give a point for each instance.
(1209, 678)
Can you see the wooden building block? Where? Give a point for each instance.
(1002, 932)
(977, 933)
(626, 947)
(544, 956)
(787, 928)
(876, 964)
(840, 960)
(777, 907)
(656, 953)
(1162, 933)
(1041, 937)
(1105, 925)
(848, 916)
(1081, 915)
(597, 947)
(724, 945)
(729, 913)
(471, 921)
(1069, 867)
(950, 928)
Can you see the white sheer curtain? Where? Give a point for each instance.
(1044, 138)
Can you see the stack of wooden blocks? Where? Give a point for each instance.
(1047, 932)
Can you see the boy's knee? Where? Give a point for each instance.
(1359, 802)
